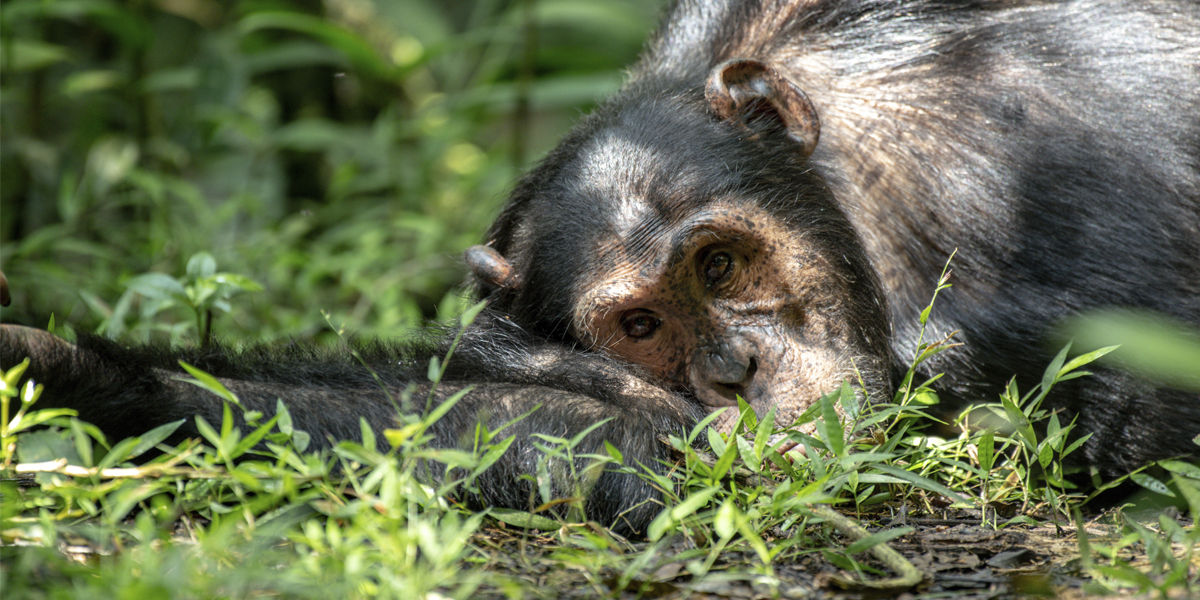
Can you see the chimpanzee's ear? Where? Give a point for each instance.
(490, 269)
(738, 88)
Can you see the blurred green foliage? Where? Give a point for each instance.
(341, 154)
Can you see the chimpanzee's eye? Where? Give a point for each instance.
(640, 323)
(717, 267)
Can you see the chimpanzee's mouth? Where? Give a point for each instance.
(726, 395)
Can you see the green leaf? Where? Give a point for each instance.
(726, 521)
(703, 427)
(201, 265)
(613, 452)
(255, 436)
(922, 482)
(494, 452)
(1180, 467)
(525, 520)
(208, 382)
(469, 315)
(444, 407)
(1084, 359)
(830, 426)
(1151, 484)
(119, 453)
(1190, 490)
(12, 378)
(38, 417)
(724, 463)
(879, 537)
(715, 441)
(1054, 369)
(357, 50)
(30, 54)
(746, 417)
(746, 450)
(762, 434)
(157, 285)
(154, 437)
(986, 450)
(693, 503)
(435, 370)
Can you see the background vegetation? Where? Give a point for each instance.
(342, 154)
(339, 156)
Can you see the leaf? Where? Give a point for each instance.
(715, 441)
(207, 432)
(726, 521)
(38, 417)
(762, 434)
(746, 417)
(1084, 359)
(525, 520)
(922, 482)
(253, 437)
(435, 370)
(154, 437)
(357, 50)
(746, 450)
(986, 450)
(703, 427)
(469, 315)
(444, 406)
(12, 378)
(48, 444)
(879, 537)
(725, 462)
(201, 265)
(1180, 467)
(830, 427)
(494, 452)
(613, 452)
(118, 454)
(31, 55)
(208, 382)
(1151, 484)
(236, 283)
(157, 285)
(693, 503)
(1054, 369)
(1190, 490)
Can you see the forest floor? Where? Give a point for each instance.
(961, 557)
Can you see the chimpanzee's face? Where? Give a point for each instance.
(709, 255)
(728, 301)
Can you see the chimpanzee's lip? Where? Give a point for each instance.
(726, 395)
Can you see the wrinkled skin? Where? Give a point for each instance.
(739, 306)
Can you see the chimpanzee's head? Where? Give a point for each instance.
(685, 232)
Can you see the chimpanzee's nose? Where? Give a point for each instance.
(723, 370)
(731, 362)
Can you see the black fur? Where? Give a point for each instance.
(126, 391)
(1054, 144)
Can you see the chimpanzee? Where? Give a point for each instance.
(763, 210)
(774, 173)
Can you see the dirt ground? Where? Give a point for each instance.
(962, 559)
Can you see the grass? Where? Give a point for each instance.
(214, 518)
(309, 170)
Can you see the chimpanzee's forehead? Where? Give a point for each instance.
(649, 161)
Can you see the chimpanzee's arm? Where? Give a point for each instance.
(128, 390)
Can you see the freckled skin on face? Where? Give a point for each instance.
(729, 302)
